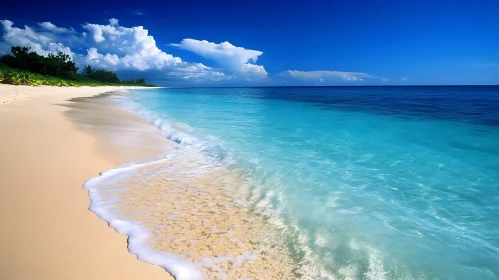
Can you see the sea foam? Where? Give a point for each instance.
(186, 216)
(180, 268)
(360, 183)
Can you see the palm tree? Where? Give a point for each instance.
(88, 71)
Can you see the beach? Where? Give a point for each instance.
(325, 140)
(226, 183)
(46, 156)
(192, 225)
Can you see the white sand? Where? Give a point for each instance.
(47, 232)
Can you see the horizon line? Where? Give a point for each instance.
(497, 85)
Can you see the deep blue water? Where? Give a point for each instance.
(370, 182)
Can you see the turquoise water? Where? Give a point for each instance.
(369, 183)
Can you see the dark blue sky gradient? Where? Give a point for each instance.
(428, 42)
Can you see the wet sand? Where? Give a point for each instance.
(189, 205)
(199, 211)
(47, 230)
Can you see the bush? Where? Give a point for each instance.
(29, 68)
(105, 76)
(59, 65)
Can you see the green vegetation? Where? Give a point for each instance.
(29, 68)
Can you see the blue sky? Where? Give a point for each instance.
(238, 43)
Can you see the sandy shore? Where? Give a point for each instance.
(47, 230)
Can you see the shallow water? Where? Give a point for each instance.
(347, 183)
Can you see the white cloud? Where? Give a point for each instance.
(41, 42)
(227, 56)
(52, 28)
(133, 51)
(94, 57)
(110, 46)
(384, 80)
(113, 21)
(325, 76)
(118, 47)
(403, 79)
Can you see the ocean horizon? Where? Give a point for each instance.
(340, 86)
(330, 182)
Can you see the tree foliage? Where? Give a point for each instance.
(22, 77)
(59, 65)
(88, 71)
(17, 69)
(100, 75)
(138, 81)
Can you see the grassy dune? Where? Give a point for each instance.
(21, 77)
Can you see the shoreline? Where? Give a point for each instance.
(155, 203)
(187, 213)
(16, 94)
(49, 231)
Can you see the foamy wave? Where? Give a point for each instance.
(181, 133)
(180, 268)
(189, 208)
(265, 198)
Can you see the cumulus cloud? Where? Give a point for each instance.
(109, 46)
(43, 41)
(118, 47)
(227, 56)
(133, 52)
(53, 28)
(325, 76)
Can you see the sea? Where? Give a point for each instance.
(313, 183)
